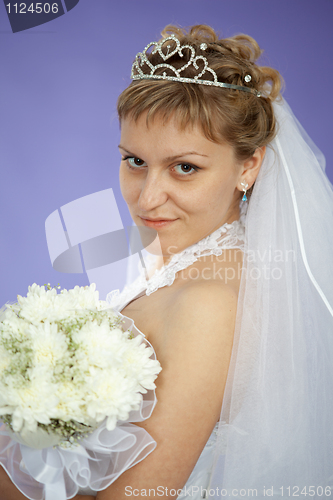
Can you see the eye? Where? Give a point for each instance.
(185, 169)
(134, 162)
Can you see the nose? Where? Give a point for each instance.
(154, 191)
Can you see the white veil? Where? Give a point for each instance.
(275, 436)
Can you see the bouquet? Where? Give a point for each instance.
(68, 367)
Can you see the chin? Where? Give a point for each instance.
(165, 246)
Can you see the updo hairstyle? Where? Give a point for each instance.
(239, 118)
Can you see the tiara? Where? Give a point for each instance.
(141, 60)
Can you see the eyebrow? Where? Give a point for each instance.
(170, 158)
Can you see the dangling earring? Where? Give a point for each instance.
(245, 186)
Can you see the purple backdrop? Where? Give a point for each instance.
(59, 84)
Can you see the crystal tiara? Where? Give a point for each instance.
(141, 60)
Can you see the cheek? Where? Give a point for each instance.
(128, 185)
(206, 197)
(122, 180)
(223, 188)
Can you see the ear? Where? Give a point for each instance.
(250, 168)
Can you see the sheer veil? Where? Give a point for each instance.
(276, 427)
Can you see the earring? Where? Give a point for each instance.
(244, 186)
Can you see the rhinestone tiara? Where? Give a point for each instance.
(141, 60)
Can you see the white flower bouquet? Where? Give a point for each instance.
(66, 364)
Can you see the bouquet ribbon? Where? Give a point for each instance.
(57, 473)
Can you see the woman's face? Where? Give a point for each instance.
(177, 181)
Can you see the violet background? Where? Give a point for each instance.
(58, 89)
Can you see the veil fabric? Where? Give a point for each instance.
(275, 436)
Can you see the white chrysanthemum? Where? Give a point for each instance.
(30, 403)
(70, 403)
(111, 394)
(49, 345)
(5, 360)
(138, 363)
(99, 346)
(40, 305)
(12, 323)
(81, 297)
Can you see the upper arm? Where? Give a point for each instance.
(196, 348)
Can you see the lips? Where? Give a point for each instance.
(157, 223)
(156, 220)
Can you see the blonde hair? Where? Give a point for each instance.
(242, 119)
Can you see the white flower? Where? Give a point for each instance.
(112, 395)
(49, 345)
(29, 404)
(5, 360)
(137, 362)
(39, 304)
(98, 345)
(70, 404)
(12, 323)
(81, 297)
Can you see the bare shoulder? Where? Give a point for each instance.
(197, 343)
(205, 305)
(207, 290)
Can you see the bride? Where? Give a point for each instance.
(238, 302)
